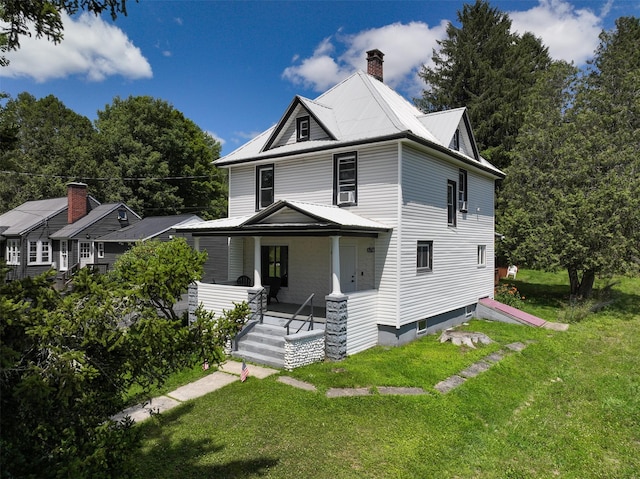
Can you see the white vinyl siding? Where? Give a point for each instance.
(456, 281)
(362, 331)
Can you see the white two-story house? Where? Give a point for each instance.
(385, 214)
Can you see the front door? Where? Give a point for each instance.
(348, 274)
(85, 250)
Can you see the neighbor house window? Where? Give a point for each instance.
(122, 215)
(482, 255)
(424, 261)
(264, 186)
(100, 249)
(451, 203)
(13, 251)
(302, 128)
(39, 252)
(275, 263)
(462, 190)
(345, 179)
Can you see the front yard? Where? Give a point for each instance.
(567, 406)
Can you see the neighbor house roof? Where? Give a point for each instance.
(92, 217)
(148, 228)
(29, 215)
(290, 217)
(360, 109)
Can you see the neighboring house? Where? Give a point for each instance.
(58, 233)
(163, 228)
(383, 212)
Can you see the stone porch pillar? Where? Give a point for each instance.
(336, 327)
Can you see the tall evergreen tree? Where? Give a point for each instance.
(571, 198)
(488, 69)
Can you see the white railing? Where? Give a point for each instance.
(216, 297)
(362, 328)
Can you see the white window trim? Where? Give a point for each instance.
(100, 249)
(13, 251)
(39, 252)
(482, 256)
(345, 192)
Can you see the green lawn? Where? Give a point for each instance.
(567, 406)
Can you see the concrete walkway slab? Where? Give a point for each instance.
(203, 386)
(475, 369)
(450, 383)
(235, 367)
(140, 412)
(401, 391)
(296, 383)
(348, 392)
(494, 357)
(517, 346)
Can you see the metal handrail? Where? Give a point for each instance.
(309, 318)
(260, 309)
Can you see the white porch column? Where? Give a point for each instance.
(335, 266)
(257, 265)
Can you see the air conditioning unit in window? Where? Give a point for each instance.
(346, 197)
(463, 206)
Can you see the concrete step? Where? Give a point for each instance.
(247, 345)
(270, 330)
(264, 338)
(259, 359)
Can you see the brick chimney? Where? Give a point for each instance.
(374, 64)
(77, 201)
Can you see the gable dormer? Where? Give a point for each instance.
(453, 129)
(303, 121)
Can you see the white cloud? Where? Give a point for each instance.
(91, 48)
(216, 137)
(406, 47)
(571, 34)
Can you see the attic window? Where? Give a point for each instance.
(455, 144)
(302, 128)
(122, 215)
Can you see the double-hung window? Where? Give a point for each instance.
(345, 179)
(462, 190)
(39, 252)
(424, 261)
(275, 263)
(13, 251)
(302, 128)
(482, 255)
(451, 203)
(264, 186)
(100, 249)
(64, 255)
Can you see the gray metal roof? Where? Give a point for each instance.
(29, 215)
(148, 228)
(96, 214)
(359, 109)
(287, 215)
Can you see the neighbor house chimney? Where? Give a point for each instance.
(76, 201)
(374, 64)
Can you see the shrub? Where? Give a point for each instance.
(509, 294)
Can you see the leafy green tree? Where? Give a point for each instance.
(44, 16)
(49, 144)
(483, 66)
(571, 198)
(68, 359)
(164, 160)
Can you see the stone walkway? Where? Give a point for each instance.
(229, 372)
(443, 387)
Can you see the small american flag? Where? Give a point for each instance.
(244, 372)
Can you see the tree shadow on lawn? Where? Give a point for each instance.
(168, 458)
(620, 303)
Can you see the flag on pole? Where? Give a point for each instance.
(244, 372)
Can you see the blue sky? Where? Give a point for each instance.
(234, 67)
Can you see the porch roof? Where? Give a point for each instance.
(290, 218)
